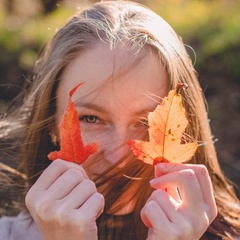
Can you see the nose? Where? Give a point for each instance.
(116, 149)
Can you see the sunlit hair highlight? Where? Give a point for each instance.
(134, 28)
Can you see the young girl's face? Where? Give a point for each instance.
(114, 101)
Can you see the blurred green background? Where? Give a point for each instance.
(210, 27)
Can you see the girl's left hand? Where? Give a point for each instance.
(182, 206)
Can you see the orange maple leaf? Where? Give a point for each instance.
(166, 126)
(71, 144)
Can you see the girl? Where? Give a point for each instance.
(129, 59)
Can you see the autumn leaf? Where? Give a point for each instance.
(166, 126)
(71, 144)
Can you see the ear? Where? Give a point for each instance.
(53, 128)
(54, 134)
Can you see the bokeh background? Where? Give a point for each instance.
(210, 29)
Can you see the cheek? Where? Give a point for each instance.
(105, 136)
(95, 164)
(92, 165)
(140, 133)
(94, 134)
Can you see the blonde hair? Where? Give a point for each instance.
(135, 27)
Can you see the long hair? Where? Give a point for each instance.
(137, 28)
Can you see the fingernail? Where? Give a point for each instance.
(153, 181)
(162, 166)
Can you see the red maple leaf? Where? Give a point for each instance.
(71, 144)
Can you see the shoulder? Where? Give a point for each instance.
(21, 227)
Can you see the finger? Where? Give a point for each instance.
(174, 193)
(93, 207)
(65, 183)
(153, 216)
(167, 204)
(79, 195)
(190, 180)
(51, 173)
(187, 183)
(200, 172)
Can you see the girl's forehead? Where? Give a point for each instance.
(106, 71)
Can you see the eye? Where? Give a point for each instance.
(89, 118)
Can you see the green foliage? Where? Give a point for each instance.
(23, 37)
(210, 27)
(214, 24)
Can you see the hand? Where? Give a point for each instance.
(64, 203)
(182, 206)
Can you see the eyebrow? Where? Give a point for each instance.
(144, 111)
(94, 106)
(91, 106)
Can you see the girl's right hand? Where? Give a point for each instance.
(64, 203)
